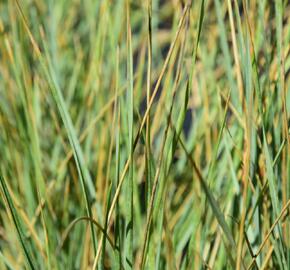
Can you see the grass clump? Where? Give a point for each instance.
(144, 134)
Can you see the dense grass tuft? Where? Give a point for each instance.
(144, 134)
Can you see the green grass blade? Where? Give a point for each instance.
(19, 228)
(129, 226)
(84, 175)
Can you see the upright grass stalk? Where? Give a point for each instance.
(148, 90)
(129, 226)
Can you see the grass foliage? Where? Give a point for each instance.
(144, 134)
